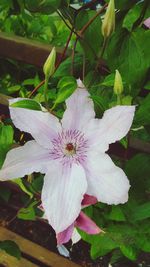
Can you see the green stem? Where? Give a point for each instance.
(101, 53)
(119, 99)
(45, 92)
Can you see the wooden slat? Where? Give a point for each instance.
(35, 251)
(10, 261)
(24, 49)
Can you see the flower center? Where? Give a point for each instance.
(69, 147)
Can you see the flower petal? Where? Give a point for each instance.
(89, 200)
(116, 123)
(113, 126)
(80, 109)
(65, 236)
(42, 125)
(107, 182)
(24, 160)
(62, 195)
(87, 225)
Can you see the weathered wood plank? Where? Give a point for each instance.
(35, 251)
(10, 261)
(24, 49)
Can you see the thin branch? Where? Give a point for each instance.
(73, 54)
(91, 20)
(69, 27)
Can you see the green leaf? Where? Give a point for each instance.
(20, 183)
(6, 140)
(141, 212)
(29, 104)
(46, 6)
(37, 183)
(132, 16)
(143, 241)
(100, 101)
(11, 248)
(129, 251)
(138, 170)
(102, 245)
(116, 214)
(93, 32)
(27, 213)
(143, 113)
(147, 85)
(109, 80)
(67, 86)
(133, 59)
(13, 89)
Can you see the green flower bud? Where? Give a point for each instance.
(118, 85)
(108, 23)
(49, 65)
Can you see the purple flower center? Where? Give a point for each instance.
(69, 147)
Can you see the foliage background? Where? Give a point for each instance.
(127, 226)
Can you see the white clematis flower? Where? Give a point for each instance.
(72, 154)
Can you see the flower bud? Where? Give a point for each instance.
(118, 85)
(49, 65)
(108, 23)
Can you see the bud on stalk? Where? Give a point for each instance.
(118, 84)
(49, 65)
(108, 23)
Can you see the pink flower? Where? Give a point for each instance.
(83, 222)
(72, 154)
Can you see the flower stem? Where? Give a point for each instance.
(45, 93)
(119, 99)
(101, 53)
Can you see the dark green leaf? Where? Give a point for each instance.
(11, 248)
(5, 193)
(143, 113)
(141, 212)
(129, 251)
